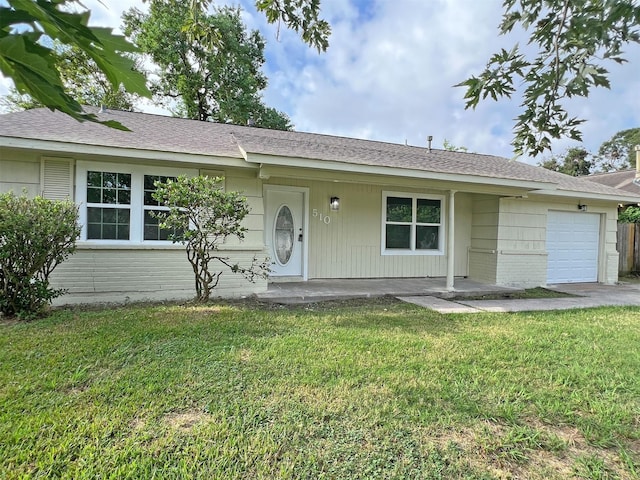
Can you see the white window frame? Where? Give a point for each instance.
(136, 207)
(412, 247)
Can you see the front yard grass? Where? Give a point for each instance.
(371, 389)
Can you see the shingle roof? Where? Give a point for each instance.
(622, 180)
(167, 134)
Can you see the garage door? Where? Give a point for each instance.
(573, 241)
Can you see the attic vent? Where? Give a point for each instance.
(56, 178)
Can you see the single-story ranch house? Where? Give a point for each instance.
(322, 207)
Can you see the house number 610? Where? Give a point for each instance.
(326, 219)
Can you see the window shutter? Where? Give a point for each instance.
(56, 178)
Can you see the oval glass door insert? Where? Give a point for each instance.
(283, 231)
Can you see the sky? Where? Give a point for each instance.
(389, 72)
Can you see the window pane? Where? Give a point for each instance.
(94, 215)
(149, 188)
(109, 215)
(93, 195)
(123, 215)
(148, 182)
(151, 229)
(124, 180)
(94, 179)
(123, 232)
(398, 236)
(124, 197)
(428, 211)
(148, 198)
(109, 195)
(399, 209)
(108, 231)
(94, 230)
(108, 223)
(109, 179)
(427, 238)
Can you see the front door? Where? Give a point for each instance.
(284, 235)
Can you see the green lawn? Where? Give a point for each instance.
(376, 389)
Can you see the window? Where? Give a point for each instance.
(152, 230)
(116, 202)
(412, 224)
(108, 205)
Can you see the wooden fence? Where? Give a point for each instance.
(629, 248)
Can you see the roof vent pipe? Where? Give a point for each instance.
(103, 109)
(430, 139)
(637, 179)
(251, 122)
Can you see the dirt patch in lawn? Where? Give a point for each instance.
(185, 421)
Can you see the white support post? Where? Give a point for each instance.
(451, 242)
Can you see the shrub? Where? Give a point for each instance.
(629, 215)
(36, 234)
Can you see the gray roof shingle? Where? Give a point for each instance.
(167, 134)
(622, 180)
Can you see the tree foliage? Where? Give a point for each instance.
(618, 153)
(82, 80)
(630, 214)
(573, 41)
(36, 235)
(205, 216)
(27, 28)
(575, 162)
(302, 16)
(212, 71)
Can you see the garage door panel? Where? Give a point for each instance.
(573, 244)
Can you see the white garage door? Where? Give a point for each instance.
(573, 241)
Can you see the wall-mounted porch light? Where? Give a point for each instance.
(334, 203)
(582, 207)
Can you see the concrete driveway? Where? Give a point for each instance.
(587, 295)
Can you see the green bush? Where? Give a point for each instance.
(629, 215)
(36, 234)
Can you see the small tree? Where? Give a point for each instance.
(36, 234)
(202, 216)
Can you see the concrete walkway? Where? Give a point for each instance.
(319, 290)
(432, 293)
(587, 295)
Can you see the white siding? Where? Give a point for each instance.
(483, 257)
(348, 245)
(19, 171)
(94, 275)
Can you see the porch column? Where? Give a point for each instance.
(451, 242)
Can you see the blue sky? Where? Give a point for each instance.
(390, 69)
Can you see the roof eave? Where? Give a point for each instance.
(297, 162)
(590, 195)
(120, 152)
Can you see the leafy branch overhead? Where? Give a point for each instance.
(28, 27)
(301, 16)
(573, 41)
